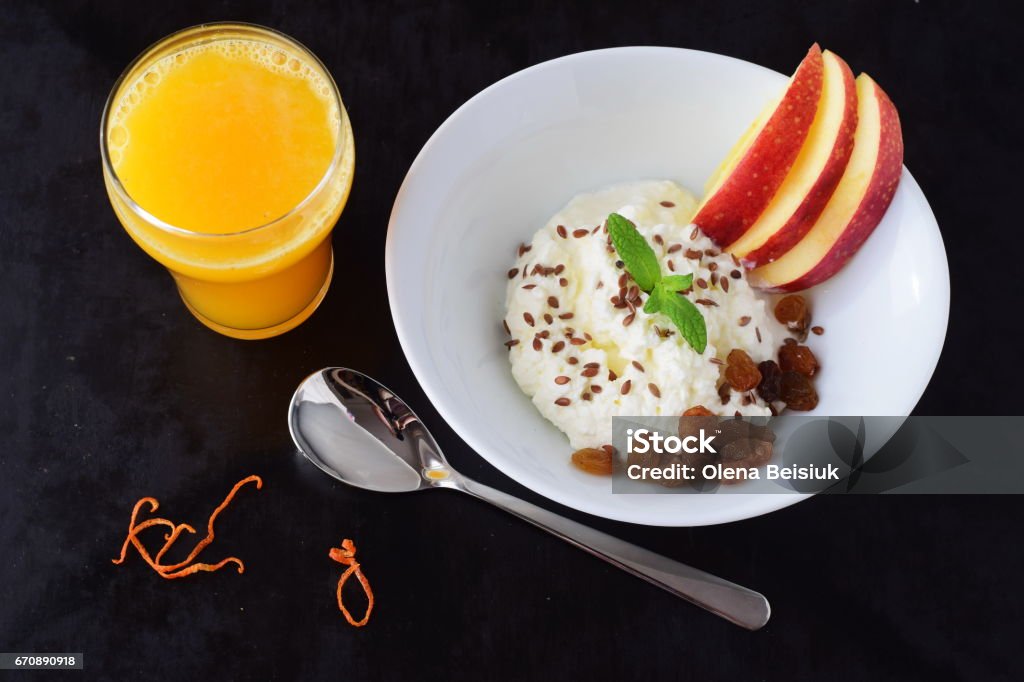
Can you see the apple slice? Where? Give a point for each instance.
(757, 165)
(814, 175)
(857, 205)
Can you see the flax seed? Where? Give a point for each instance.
(529, 286)
(561, 232)
(745, 320)
(628, 319)
(582, 232)
(674, 248)
(758, 333)
(563, 402)
(702, 283)
(561, 380)
(513, 272)
(565, 316)
(589, 372)
(818, 331)
(573, 361)
(625, 387)
(735, 274)
(559, 345)
(548, 319)
(563, 282)
(667, 204)
(658, 240)
(529, 319)
(596, 388)
(553, 301)
(653, 388)
(513, 342)
(638, 366)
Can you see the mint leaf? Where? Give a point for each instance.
(635, 252)
(642, 264)
(686, 317)
(674, 283)
(653, 302)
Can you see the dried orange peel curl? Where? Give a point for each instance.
(346, 554)
(185, 567)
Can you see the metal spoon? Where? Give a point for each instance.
(362, 434)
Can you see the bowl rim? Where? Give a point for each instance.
(744, 508)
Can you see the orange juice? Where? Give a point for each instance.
(228, 158)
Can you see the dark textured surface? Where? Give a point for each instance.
(110, 391)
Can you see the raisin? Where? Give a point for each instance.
(733, 429)
(798, 392)
(792, 311)
(744, 453)
(695, 420)
(771, 378)
(593, 460)
(741, 372)
(796, 358)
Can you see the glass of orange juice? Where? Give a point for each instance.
(228, 157)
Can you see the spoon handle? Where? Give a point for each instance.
(739, 605)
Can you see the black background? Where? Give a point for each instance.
(110, 391)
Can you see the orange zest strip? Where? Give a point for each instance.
(186, 567)
(169, 539)
(153, 506)
(346, 555)
(195, 568)
(201, 545)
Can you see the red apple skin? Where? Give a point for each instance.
(748, 189)
(879, 194)
(813, 204)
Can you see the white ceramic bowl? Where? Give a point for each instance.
(503, 163)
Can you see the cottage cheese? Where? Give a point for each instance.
(574, 323)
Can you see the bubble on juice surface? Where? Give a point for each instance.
(118, 135)
(151, 78)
